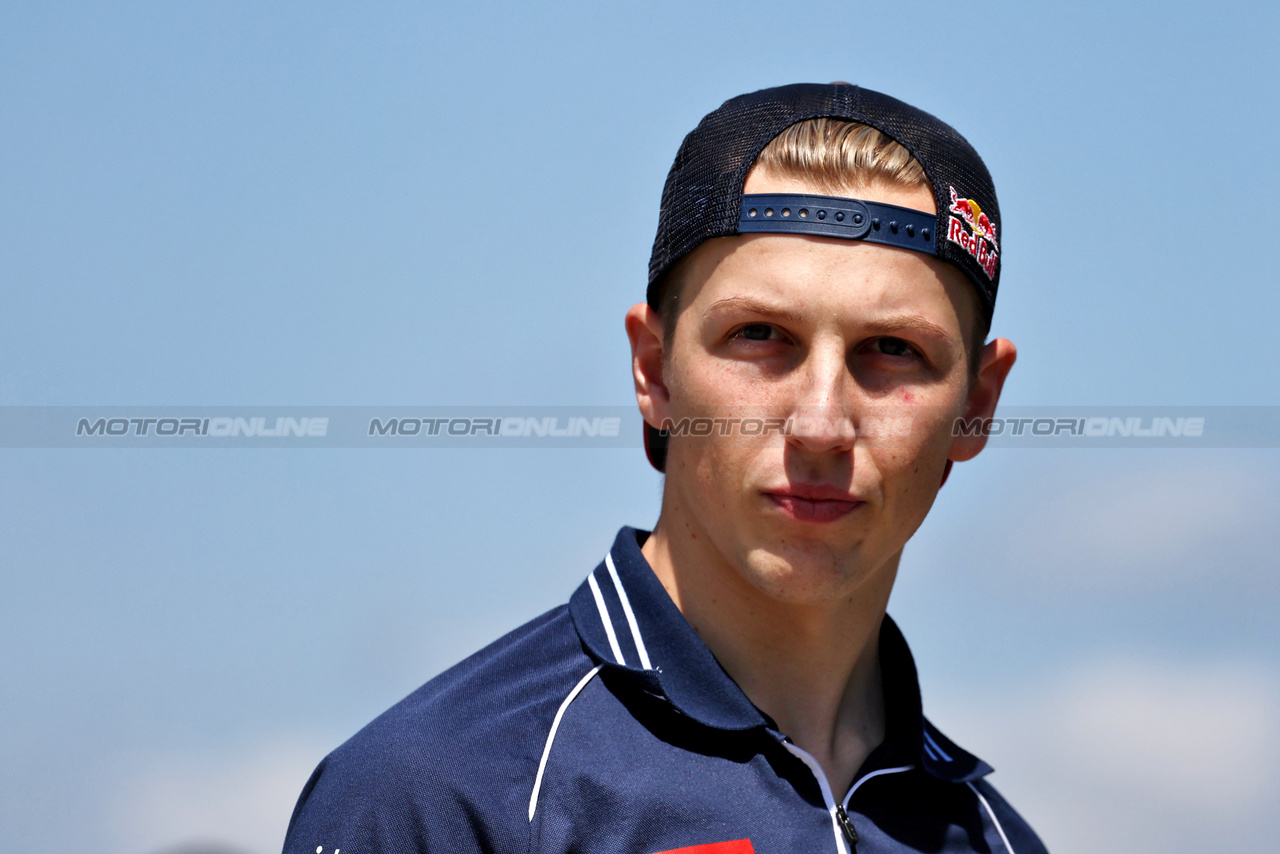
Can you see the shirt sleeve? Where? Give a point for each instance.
(366, 807)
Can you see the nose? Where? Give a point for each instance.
(822, 420)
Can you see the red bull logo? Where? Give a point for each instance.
(973, 215)
(979, 238)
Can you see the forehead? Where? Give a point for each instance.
(821, 280)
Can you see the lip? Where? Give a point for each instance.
(814, 502)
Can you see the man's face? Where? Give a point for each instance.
(862, 349)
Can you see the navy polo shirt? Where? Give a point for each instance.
(606, 726)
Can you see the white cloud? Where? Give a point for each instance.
(241, 799)
(1148, 527)
(1135, 756)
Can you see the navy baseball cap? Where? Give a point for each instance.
(703, 196)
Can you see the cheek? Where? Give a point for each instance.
(908, 454)
(910, 485)
(722, 392)
(709, 481)
(926, 419)
(721, 462)
(702, 384)
(721, 472)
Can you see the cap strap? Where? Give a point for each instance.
(831, 216)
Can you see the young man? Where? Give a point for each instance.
(820, 292)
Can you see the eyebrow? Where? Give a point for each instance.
(909, 322)
(755, 306)
(882, 326)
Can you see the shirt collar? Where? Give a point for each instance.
(908, 733)
(629, 624)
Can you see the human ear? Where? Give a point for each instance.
(644, 329)
(997, 359)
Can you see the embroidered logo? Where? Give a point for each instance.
(974, 232)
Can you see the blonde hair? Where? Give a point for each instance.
(840, 156)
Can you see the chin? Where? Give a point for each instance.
(801, 573)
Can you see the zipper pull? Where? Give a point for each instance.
(846, 824)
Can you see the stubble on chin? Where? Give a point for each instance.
(796, 573)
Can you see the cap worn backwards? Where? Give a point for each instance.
(703, 195)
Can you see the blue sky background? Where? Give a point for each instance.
(318, 204)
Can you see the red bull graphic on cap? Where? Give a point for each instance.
(978, 238)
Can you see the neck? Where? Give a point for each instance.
(812, 667)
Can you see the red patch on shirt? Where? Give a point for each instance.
(737, 846)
